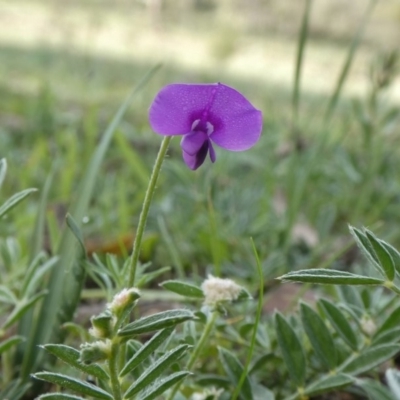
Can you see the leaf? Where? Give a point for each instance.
(387, 337)
(291, 349)
(22, 308)
(374, 389)
(71, 357)
(184, 289)
(76, 231)
(393, 381)
(212, 380)
(393, 253)
(34, 277)
(157, 321)
(59, 396)
(150, 276)
(161, 385)
(330, 276)
(3, 170)
(340, 323)
(14, 200)
(11, 341)
(365, 246)
(146, 350)
(234, 370)
(260, 392)
(7, 296)
(320, 338)
(392, 321)
(351, 298)
(74, 384)
(384, 258)
(328, 383)
(155, 370)
(38, 233)
(371, 358)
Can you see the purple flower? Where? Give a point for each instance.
(205, 114)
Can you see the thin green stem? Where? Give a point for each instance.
(196, 352)
(256, 323)
(145, 210)
(113, 367)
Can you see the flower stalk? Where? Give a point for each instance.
(145, 210)
(113, 368)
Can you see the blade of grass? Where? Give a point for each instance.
(349, 59)
(66, 279)
(299, 63)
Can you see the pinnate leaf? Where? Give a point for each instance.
(161, 385)
(371, 358)
(330, 276)
(384, 258)
(392, 321)
(292, 350)
(155, 370)
(375, 390)
(365, 246)
(328, 383)
(340, 323)
(184, 289)
(157, 321)
(59, 396)
(146, 350)
(318, 333)
(74, 384)
(71, 356)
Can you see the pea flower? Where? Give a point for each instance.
(205, 114)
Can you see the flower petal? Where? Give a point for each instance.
(237, 124)
(177, 106)
(194, 161)
(192, 142)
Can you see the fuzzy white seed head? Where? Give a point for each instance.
(217, 290)
(123, 299)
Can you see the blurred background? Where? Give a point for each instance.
(66, 66)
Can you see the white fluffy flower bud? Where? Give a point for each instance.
(218, 290)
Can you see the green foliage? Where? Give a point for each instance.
(112, 379)
(310, 178)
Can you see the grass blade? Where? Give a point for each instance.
(299, 62)
(347, 64)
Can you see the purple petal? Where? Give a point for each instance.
(192, 142)
(177, 106)
(237, 124)
(194, 161)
